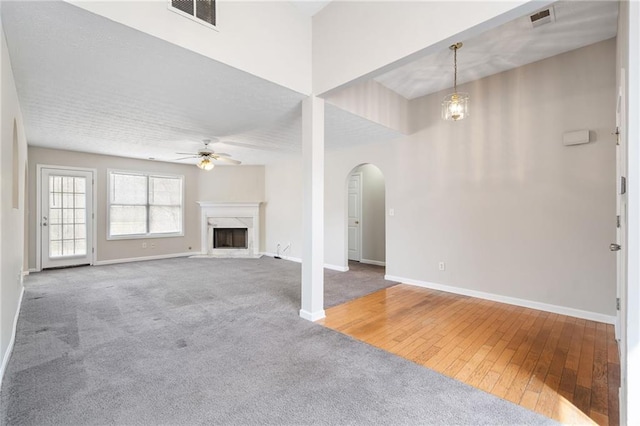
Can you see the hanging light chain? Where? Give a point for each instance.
(455, 48)
(455, 68)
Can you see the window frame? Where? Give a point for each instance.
(194, 17)
(147, 175)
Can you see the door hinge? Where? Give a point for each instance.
(618, 221)
(93, 250)
(618, 303)
(617, 133)
(93, 216)
(623, 185)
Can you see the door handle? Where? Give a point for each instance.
(44, 221)
(614, 247)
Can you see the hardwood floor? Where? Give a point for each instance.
(562, 367)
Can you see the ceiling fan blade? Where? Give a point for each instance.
(184, 158)
(185, 153)
(220, 154)
(227, 159)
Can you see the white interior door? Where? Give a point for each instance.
(620, 246)
(354, 203)
(66, 217)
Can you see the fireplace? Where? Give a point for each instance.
(230, 238)
(230, 229)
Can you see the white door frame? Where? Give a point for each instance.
(360, 174)
(630, 364)
(621, 211)
(94, 173)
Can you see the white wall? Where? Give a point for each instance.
(374, 102)
(227, 183)
(498, 197)
(271, 40)
(238, 184)
(373, 214)
(365, 36)
(283, 207)
(11, 219)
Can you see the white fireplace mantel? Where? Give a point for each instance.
(227, 215)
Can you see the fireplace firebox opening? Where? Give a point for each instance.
(230, 238)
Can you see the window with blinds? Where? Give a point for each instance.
(143, 205)
(202, 10)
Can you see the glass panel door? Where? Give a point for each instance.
(66, 222)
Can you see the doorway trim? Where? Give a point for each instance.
(94, 174)
(354, 170)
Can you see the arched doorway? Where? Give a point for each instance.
(366, 221)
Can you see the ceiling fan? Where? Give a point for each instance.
(206, 155)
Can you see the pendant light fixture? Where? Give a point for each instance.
(456, 105)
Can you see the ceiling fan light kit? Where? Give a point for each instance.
(205, 164)
(455, 106)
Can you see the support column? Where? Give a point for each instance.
(313, 209)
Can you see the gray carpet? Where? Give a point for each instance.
(360, 280)
(211, 341)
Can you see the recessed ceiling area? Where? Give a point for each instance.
(517, 43)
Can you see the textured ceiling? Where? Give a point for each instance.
(86, 83)
(89, 84)
(517, 43)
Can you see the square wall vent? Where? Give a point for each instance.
(542, 17)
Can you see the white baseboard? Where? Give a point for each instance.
(289, 258)
(312, 316)
(33, 270)
(140, 259)
(373, 262)
(563, 310)
(7, 354)
(336, 267)
(298, 260)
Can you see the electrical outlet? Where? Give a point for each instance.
(153, 245)
(392, 212)
(441, 266)
(144, 244)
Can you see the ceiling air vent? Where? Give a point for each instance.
(542, 17)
